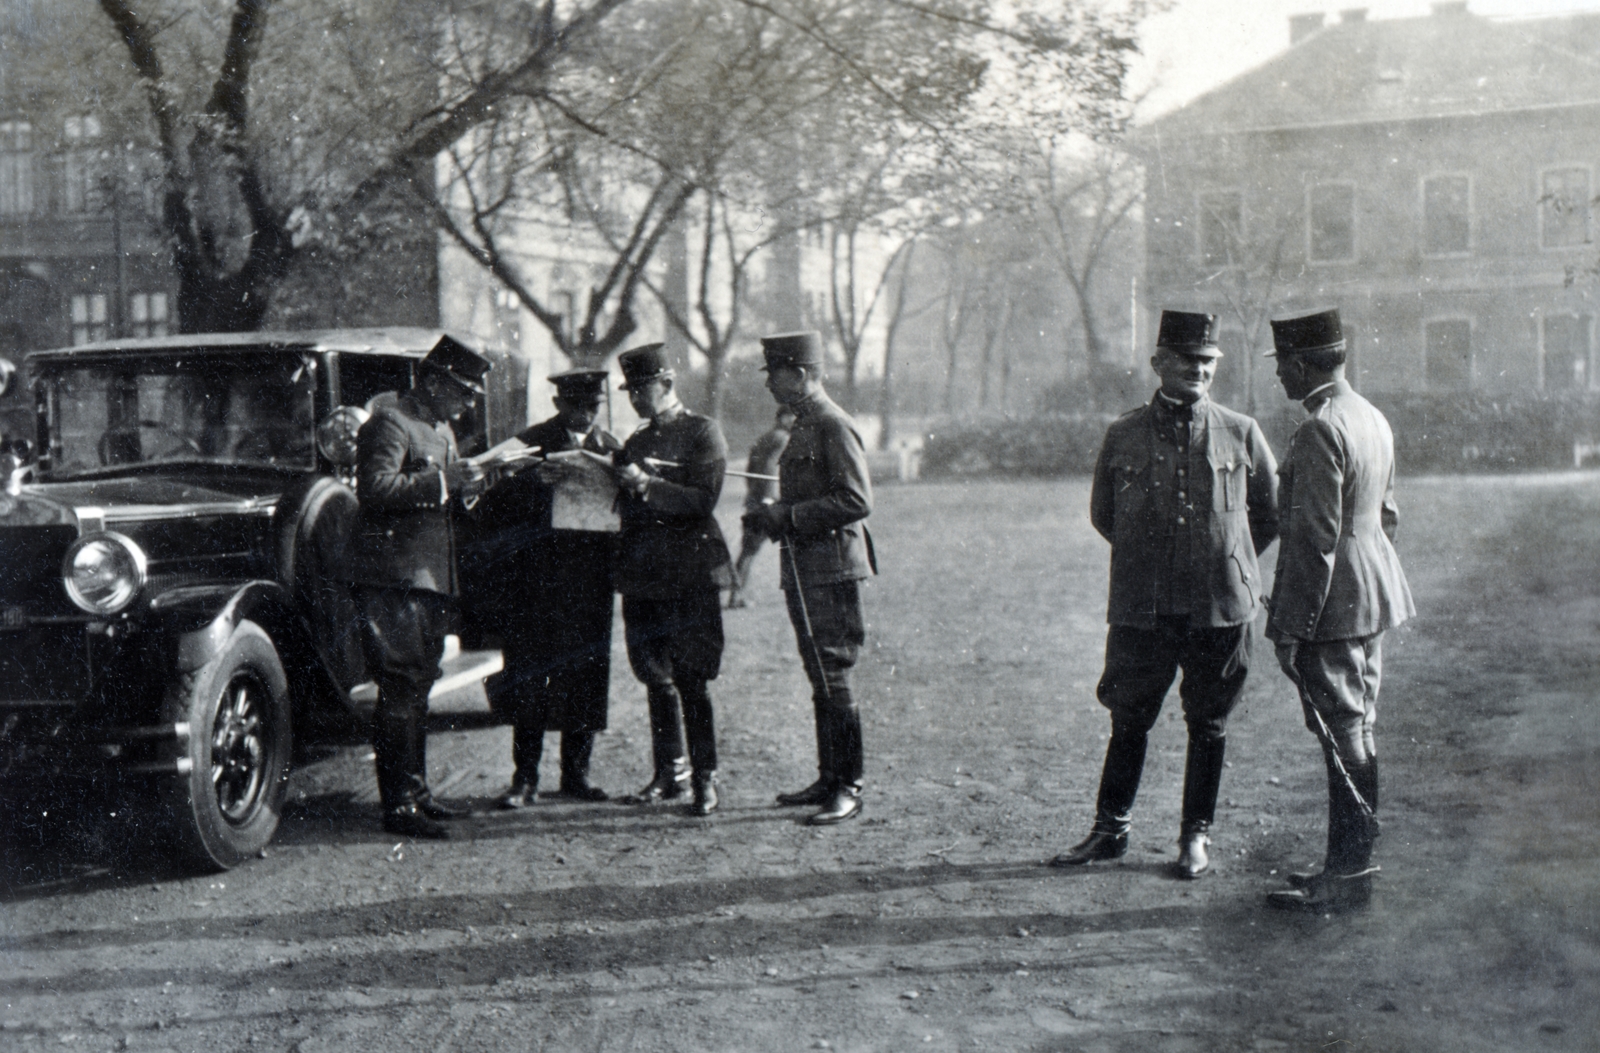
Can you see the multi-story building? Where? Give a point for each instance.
(1435, 178)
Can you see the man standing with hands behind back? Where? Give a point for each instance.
(825, 494)
(1339, 589)
(1186, 492)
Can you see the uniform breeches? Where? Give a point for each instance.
(674, 647)
(1140, 667)
(828, 650)
(1339, 682)
(403, 633)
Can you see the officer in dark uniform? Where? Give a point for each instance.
(819, 518)
(547, 592)
(671, 568)
(409, 479)
(1186, 492)
(758, 494)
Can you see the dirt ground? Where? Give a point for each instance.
(929, 924)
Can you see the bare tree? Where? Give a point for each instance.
(302, 135)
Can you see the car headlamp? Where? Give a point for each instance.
(103, 572)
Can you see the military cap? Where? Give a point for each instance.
(458, 362)
(581, 385)
(1189, 333)
(646, 362)
(793, 349)
(1311, 332)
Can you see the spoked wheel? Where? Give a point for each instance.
(226, 806)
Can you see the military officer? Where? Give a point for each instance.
(820, 520)
(403, 568)
(1185, 490)
(1339, 588)
(671, 568)
(550, 598)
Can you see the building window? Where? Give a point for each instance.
(16, 168)
(81, 168)
(1564, 207)
(1446, 215)
(1449, 354)
(88, 318)
(1221, 227)
(1566, 352)
(567, 306)
(147, 314)
(1331, 209)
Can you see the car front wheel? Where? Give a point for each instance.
(225, 808)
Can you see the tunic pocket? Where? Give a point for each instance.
(1230, 481)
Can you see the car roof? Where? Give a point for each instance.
(409, 341)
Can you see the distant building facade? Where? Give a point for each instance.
(1435, 178)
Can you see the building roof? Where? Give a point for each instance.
(1440, 65)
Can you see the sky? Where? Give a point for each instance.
(1200, 44)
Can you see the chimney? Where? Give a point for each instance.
(1450, 8)
(1353, 14)
(1302, 26)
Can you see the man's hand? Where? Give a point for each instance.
(463, 478)
(1288, 650)
(770, 520)
(632, 478)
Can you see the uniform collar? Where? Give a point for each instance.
(1318, 395)
(1179, 410)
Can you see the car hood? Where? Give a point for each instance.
(136, 498)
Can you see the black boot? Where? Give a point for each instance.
(1119, 785)
(667, 785)
(1202, 776)
(705, 793)
(818, 792)
(845, 803)
(576, 749)
(399, 757)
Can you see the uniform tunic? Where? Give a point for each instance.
(826, 495)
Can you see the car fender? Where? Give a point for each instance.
(200, 619)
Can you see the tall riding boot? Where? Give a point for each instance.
(820, 791)
(666, 742)
(1119, 785)
(848, 759)
(1202, 776)
(400, 761)
(1363, 830)
(576, 749)
(1119, 780)
(1343, 818)
(417, 742)
(699, 724)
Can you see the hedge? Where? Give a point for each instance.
(1063, 444)
(1435, 432)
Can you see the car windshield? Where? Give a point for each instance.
(235, 408)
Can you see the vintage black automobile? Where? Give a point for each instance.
(171, 605)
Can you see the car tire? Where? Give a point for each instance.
(225, 807)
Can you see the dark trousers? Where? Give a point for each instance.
(403, 633)
(1140, 667)
(527, 749)
(675, 647)
(829, 631)
(1339, 681)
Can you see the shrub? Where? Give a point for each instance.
(1473, 432)
(1060, 444)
